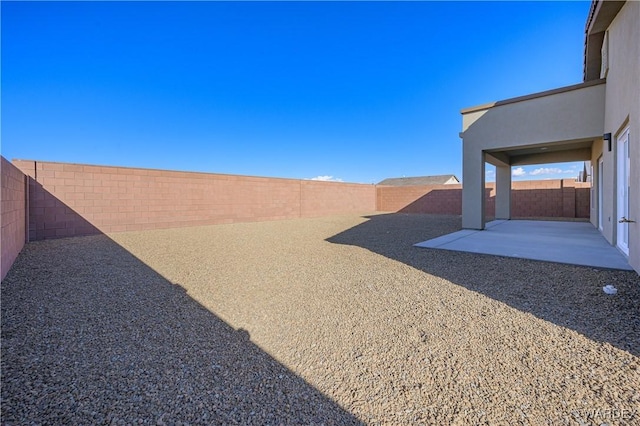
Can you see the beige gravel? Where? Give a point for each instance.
(333, 320)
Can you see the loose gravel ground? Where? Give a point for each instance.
(334, 320)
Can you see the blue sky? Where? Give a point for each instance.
(356, 91)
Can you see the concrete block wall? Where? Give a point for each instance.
(583, 199)
(432, 199)
(489, 200)
(52, 200)
(326, 198)
(436, 199)
(75, 199)
(550, 198)
(544, 198)
(13, 215)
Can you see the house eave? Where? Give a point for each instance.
(569, 118)
(601, 14)
(529, 97)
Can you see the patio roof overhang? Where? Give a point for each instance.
(601, 15)
(558, 125)
(554, 126)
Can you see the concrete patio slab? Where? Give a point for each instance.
(577, 243)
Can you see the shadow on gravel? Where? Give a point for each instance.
(91, 335)
(566, 295)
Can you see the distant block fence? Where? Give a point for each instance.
(542, 198)
(43, 200)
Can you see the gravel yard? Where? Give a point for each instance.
(335, 320)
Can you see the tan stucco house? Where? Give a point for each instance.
(597, 120)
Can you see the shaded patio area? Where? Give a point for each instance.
(575, 243)
(554, 126)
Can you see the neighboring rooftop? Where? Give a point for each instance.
(421, 180)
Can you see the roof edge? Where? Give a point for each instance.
(533, 96)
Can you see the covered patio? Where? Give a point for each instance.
(577, 243)
(559, 125)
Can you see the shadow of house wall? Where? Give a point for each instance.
(108, 314)
(114, 199)
(132, 347)
(435, 199)
(519, 283)
(552, 198)
(14, 214)
(431, 199)
(52, 218)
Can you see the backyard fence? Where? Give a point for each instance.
(537, 198)
(72, 199)
(43, 200)
(14, 214)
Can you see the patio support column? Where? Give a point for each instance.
(503, 192)
(472, 187)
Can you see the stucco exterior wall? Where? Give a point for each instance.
(596, 153)
(622, 109)
(573, 116)
(14, 214)
(565, 116)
